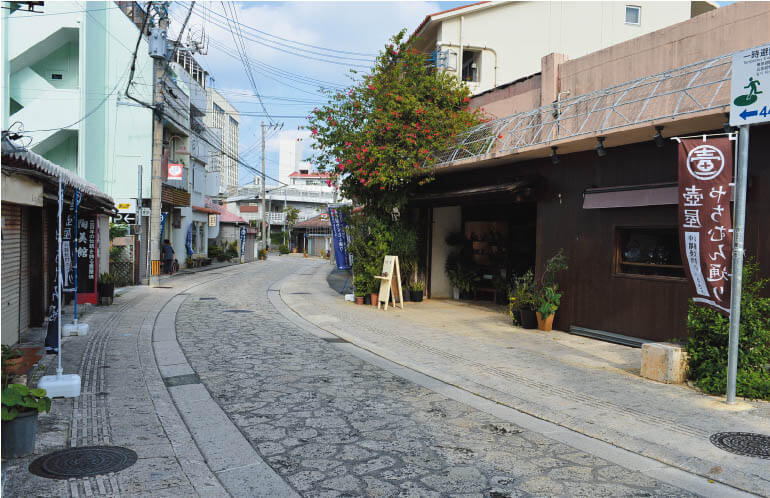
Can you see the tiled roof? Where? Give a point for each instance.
(226, 216)
(320, 221)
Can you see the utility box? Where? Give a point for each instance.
(157, 43)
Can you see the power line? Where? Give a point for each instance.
(368, 56)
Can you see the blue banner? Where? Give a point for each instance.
(188, 240)
(340, 236)
(243, 240)
(162, 224)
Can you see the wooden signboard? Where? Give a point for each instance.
(390, 283)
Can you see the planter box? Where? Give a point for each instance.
(18, 438)
(416, 296)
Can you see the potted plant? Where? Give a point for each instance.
(283, 249)
(13, 359)
(106, 286)
(20, 407)
(304, 253)
(547, 304)
(374, 292)
(360, 285)
(522, 300)
(548, 295)
(262, 254)
(415, 291)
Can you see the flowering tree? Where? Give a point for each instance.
(376, 140)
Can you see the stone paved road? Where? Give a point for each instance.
(334, 425)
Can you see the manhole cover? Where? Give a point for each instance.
(238, 311)
(83, 462)
(743, 443)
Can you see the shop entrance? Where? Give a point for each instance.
(499, 244)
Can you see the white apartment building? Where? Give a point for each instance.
(221, 115)
(488, 44)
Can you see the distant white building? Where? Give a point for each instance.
(223, 119)
(290, 156)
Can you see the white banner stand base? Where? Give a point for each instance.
(60, 385)
(74, 329)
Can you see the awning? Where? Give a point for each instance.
(14, 156)
(205, 210)
(656, 194)
(503, 188)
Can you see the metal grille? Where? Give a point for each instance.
(697, 87)
(122, 266)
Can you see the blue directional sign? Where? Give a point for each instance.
(750, 86)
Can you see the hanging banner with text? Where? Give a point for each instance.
(705, 221)
(340, 237)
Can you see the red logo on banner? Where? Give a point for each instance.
(175, 171)
(705, 222)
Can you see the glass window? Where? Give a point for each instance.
(633, 14)
(648, 251)
(471, 63)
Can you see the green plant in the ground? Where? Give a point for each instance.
(18, 398)
(283, 249)
(10, 353)
(708, 337)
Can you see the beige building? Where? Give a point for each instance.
(224, 119)
(488, 44)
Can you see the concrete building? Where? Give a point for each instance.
(224, 120)
(65, 76)
(487, 44)
(532, 182)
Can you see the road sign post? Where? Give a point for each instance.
(749, 104)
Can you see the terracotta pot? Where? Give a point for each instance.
(375, 298)
(305, 255)
(359, 299)
(294, 250)
(546, 324)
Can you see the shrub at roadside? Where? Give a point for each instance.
(709, 335)
(283, 249)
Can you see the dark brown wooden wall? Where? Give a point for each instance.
(592, 296)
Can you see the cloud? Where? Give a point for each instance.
(363, 27)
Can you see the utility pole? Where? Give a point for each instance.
(264, 214)
(158, 48)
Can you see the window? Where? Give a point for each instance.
(471, 63)
(648, 251)
(633, 14)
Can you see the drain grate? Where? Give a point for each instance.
(743, 443)
(295, 293)
(182, 380)
(163, 287)
(206, 299)
(333, 340)
(83, 462)
(238, 311)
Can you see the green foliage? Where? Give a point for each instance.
(215, 252)
(262, 254)
(547, 295)
(377, 139)
(116, 253)
(118, 230)
(292, 215)
(283, 249)
(231, 249)
(708, 337)
(417, 285)
(522, 295)
(372, 237)
(360, 284)
(10, 353)
(106, 278)
(18, 398)
(548, 301)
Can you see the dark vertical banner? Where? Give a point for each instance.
(86, 253)
(243, 241)
(68, 248)
(340, 236)
(705, 220)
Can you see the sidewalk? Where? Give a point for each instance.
(588, 386)
(134, 394)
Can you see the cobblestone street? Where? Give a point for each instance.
(334, 425)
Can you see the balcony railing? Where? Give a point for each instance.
(697, 87)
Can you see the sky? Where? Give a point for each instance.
(283, 42)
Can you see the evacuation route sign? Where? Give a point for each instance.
(750, 86)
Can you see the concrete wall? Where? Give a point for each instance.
(733, 27)
(514, 36)
(445, 221)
